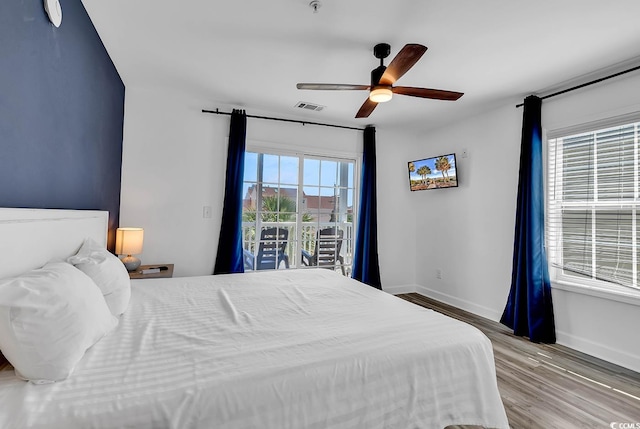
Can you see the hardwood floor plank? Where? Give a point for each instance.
(549, 385)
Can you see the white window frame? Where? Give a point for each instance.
(559, 280)
(285, 150)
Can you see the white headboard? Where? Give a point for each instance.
(29, 238)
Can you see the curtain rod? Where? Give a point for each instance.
(217, 112)
(586, 84)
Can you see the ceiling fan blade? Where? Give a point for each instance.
(436, 94)
(406, 58)
(331, 86)
(366, 109)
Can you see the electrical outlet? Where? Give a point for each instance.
(206, 212)
(439, 273)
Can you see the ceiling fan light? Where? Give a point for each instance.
(380, 94)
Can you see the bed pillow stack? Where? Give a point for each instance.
(107, 271)
(49, 317)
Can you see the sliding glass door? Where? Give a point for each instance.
(298, 211)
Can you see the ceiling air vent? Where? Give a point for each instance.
(309, 106)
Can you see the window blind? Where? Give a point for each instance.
(592, 204)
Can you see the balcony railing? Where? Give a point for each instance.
(306, 240)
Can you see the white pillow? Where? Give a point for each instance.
(107, 271)
(48, 318)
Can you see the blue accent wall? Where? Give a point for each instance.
(61, 112)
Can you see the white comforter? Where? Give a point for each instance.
(282, 349)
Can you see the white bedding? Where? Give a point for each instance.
(283, 349)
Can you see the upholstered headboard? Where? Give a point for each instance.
(29, 238)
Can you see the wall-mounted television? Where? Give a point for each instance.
(433, 173)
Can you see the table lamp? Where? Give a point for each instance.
(129, 243)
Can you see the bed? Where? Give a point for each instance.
(278, 349)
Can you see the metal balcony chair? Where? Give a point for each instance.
(271, 250)
(327, 250)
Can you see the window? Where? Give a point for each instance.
(290, 200)
(592, 207)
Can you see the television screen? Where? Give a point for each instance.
(433, 173)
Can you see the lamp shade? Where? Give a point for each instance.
(129, 241)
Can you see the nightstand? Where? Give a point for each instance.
(165, 271)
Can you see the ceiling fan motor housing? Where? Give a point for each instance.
(376, 74)
(381, 51)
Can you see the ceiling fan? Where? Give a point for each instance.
(383, 78)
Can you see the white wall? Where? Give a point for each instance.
(173, 158)
(396, 220)
(174, 161)
(468, 232)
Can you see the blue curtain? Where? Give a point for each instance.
(365, 255)
(529, 309)
(229, 258)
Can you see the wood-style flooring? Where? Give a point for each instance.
(552, 386)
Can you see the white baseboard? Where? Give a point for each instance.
(615, 356)
(397, 289)
(618, 357)
(469, 306)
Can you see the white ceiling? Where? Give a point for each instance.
(251, 53)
